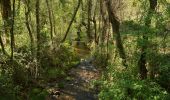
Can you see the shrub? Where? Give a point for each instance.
(121, 84)
(132, 89)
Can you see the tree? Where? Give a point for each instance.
(89, 30)
(38, 34)
(105, 20)
(95, 22)
(6, 14)
(115, 28)
(8, 17)
(27, 23)
(12, 31)
(2, 45)
(71, 22)
(142, 61)
(50, 19)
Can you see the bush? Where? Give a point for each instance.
(56, 61)
(61, 56)
(8, 91)
(53, 73)
(100, 60)
(163, 78)
(132, 89)
(38, 94)
(121, 84)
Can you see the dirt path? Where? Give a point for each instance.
(78, 86)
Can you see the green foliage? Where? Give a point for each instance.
(38, 94)
(61, 85)
(53, 73)
(6, 87)
(123, 86)
(101, 59)
(61, 57)
(8, 90)
(56, 61)
(164, 72)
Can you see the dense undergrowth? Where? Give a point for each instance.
(18, 81)
(119, 83)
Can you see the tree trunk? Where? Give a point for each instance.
(2, 45)
(89, 20)
(115, 28)
(6, 16)
(6, 12)
(142, 61)
(95, 29)
(12, 30)
(54, 21)
(38, 34)
(50, 19)
(104, 20)
(95, 23)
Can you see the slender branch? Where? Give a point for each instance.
(71, 22)
(27, 12)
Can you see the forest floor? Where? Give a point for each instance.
(79, 84)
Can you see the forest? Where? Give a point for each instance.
(84, 49)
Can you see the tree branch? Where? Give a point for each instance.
(71, 22)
